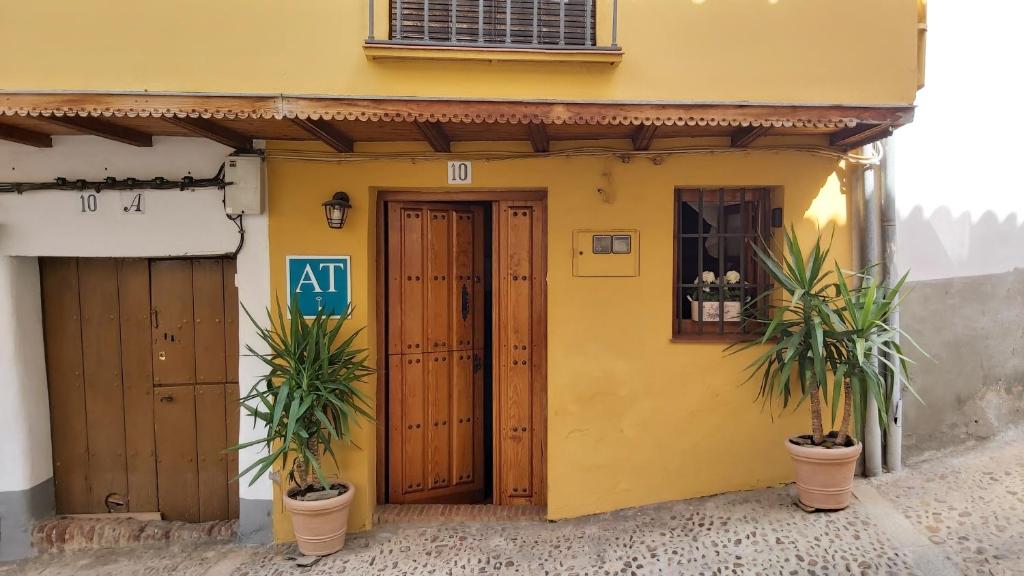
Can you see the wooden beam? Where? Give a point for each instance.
(103, 129)
(213, 131)
(860, 135)
(746, 136)
(327, 133)
(26, 137)
(539, 137)
(434, 134)
(644, 136)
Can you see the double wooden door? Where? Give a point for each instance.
(142, 369)
(439, 355)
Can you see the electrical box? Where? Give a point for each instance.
(247, 177)
(607, 253)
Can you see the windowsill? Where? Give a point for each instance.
(383, 50)
(712, 339)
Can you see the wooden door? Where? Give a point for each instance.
(521, 345)
(435, 352)
(142, 370)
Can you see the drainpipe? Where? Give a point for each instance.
(894, 433)
(871, 254)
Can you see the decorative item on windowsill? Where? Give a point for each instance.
(721, 297)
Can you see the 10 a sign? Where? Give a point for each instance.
(320, 283)
(132, 202)
(460, 172)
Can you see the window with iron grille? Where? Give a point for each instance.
(717, 274)
(519, 23)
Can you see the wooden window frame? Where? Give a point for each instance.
(686, 329)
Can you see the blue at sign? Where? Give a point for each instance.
(320, 282)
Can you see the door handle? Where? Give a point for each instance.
(465, 302)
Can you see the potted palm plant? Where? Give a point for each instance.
(825, 342)
(308, 400)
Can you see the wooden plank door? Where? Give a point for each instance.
(435, 352)
(142, 369)
(520, 342)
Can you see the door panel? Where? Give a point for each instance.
(211, 438)
(174, 357)
(208, 319)
(438, 433)
(137, 373)
(174, 409)
(435, 255)
(520, 369)
(61, 321)
(104, 398)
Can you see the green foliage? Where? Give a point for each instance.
(818, 326)
(308, 397)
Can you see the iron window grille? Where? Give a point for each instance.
(714, 231)
(546, 24)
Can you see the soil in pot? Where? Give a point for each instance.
(830, 441)
(315, 492)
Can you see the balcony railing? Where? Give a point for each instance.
(531, 24)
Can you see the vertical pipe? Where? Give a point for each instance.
(535, 12)
(871, 256)
(426, 19)
(480, 22)
(894, 431)
(455, 11)
(508, 21)
(561, 22)
(615, 24)
(589, 16)
(398, 19)
(369, 36)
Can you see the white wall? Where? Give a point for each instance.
(959, 192)
(50, 223)
(24, 409)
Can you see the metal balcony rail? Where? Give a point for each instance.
(537, 24)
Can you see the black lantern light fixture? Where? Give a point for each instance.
(336, 210)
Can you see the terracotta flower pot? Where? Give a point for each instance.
(824, 476)
(320, 525)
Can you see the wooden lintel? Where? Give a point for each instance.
(860, 135)
(327, 133)
(26, 137)
(213, 131)
(746, 136)
(644, 136)
(539, 138)
(435, 135)
(103, 129)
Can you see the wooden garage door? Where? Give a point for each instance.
(142, 366)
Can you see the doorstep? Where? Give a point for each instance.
(408, 514)
(67, 533)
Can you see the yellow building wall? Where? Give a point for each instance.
(792, 51)
(633, 418)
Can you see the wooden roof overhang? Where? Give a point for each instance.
(340, 123)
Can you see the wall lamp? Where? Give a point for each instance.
(336, 210)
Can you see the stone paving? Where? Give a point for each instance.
(960, 512)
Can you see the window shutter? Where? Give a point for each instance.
(495, 28)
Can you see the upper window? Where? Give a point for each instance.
(516, 23)
(716, 271)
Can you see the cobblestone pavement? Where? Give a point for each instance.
(951, 513)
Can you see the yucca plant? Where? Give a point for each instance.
(831, 340)
(308, 398)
